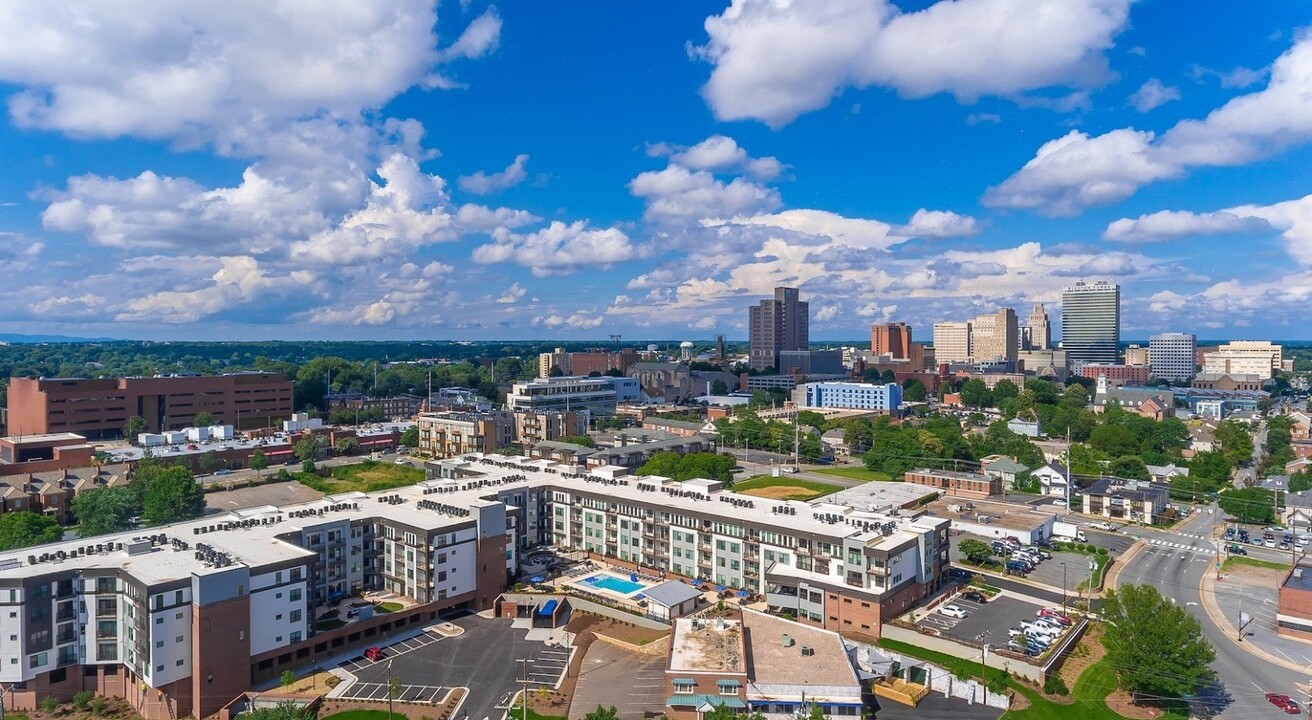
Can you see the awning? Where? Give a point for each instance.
(548, 609)
(705, 702)
(685, 682)
(728, 683)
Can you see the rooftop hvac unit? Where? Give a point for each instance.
(787, 640)
(807, 651)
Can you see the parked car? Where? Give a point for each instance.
(1284, 702)
(1270, 542)
(974, 596)
(1039, 552)
(1283, 546)
(1102, 525)
(953, 611)
(1016, 567)
(1229, 533)
(1054, 614)
(1236, 549)
(373, 654)
(400, 461)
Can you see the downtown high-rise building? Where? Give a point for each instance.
(892, 339)
(1091, 323)
(952, 342)
(781, 323)
(995, 337)
(1037, 332)
(1171, 356)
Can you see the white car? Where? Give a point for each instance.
(400, 461)
(953, 611)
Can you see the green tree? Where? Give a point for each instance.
(975, 551)
(23, 529)
(584, 440)
(306, 448)
(556, 371)
(258, 462)
(1114, 440)
(712, 466)
(287, 679)
(602, 713)
(1248, 505)
(172, 495)
(1130, 467)
(811, 417)
(208, 461)
(346, 446)
(974, 393)
(1156, 648)
(1235, 441)
(1005, 390)
(718, 387)
(202, 419)
(914, 391)
(134, 427)
(104, 511)
(410, 438)
(1300, 481)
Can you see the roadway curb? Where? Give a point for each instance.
(1114, 575)
(1207, 593)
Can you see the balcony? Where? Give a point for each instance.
(106, 608)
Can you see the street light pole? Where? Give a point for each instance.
(523, 694)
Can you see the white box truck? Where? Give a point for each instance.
(1069, 531)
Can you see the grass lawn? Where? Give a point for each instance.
(1253, 562)
(387, 607)
(359, 715)
(368, 476)
(855, 473)
(784, 488)
(1090, 696)
(1090, 691)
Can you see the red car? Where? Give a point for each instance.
(1283, 702)
(1048, 613)
(374, 653)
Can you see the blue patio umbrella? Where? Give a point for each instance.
(536, 579)
(743, 593)
(720, 588)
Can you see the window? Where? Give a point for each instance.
(278, 616)
(178, 639)
(295, 595)
(177, 598)
(159, 668)
(295, 616)
(296, 636)
(159, 643)
(177, 616)
(159, 620)
(179, 662)
(278, 639)
(36, 660)
(277, 596)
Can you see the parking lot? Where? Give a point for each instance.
(986, 623)
(485, 659)
(1049, 572)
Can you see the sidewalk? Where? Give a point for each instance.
(1207, 593)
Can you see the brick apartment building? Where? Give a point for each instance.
(956, 484)
(99, 408)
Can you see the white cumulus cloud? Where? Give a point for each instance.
(776, 60)
(1153, 94)
(559, 248)
(481, 183)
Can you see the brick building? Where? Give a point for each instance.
(99, 408)
(956, 484)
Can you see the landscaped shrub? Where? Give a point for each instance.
(1054, 685)
(49, 704)
(80, 699)
(97, 705)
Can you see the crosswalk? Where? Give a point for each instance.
(1181, 546)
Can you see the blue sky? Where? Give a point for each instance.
(404, 169)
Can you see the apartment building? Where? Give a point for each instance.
(99, 408)
(956, 484)
(180, 621)
(447, 434)
(850, 396)
(597, 395)
(1116, 373)
(389, 408)
(892, 339)
(534, 426)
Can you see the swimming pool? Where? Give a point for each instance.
(615, 584)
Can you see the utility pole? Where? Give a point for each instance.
(523, 694)
(390, 694)
(1063, 588)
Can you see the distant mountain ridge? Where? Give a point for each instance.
(17, 338)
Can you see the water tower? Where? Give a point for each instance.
(685, 350)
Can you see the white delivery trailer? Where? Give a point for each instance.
(1067, 530)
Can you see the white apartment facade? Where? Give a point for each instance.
(1172, 356)
(180, 621)
(850, 396)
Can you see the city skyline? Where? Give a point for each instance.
(472, 171)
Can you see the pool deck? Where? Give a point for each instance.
(583, 584)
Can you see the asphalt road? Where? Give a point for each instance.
(1242, 678)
